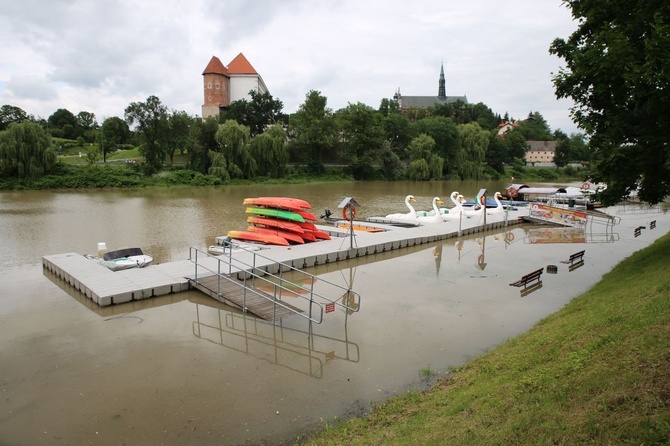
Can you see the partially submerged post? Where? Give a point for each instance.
(481, 199)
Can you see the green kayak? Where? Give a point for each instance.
(277, 213)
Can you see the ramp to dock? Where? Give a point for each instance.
(230, 291)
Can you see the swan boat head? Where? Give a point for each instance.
(436, 216)
(409, 216)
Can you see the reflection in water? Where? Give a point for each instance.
(531, 288)
(569, 235)
(437, 253)
(302, 351)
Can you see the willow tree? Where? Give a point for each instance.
(25, 151)
(233, 140)
(472, 144)
(424, 164)
(270, 152)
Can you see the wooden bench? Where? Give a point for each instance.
(525, 280)
(574, 257)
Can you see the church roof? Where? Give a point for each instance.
(429, 101)
(215, 67)
(240, 65)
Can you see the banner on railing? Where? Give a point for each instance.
(557, 215)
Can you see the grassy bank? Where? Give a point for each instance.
(596, 372)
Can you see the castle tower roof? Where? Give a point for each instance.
(240, 65)
(215, 67)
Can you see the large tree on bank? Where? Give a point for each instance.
(25, 151)
(151, 118)
(618, 73)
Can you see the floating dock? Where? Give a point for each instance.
(105, 287)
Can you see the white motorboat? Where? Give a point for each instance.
(125, 259)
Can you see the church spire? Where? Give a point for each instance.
(442, 90)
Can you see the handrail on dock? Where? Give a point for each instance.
(229, 266)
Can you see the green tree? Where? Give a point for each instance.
(388, 107)
(563, 153)
(423, 148)
(473, 141)
(113, 133)
(204, 143)
(362, 138)
(62, 123)
(86, 125)
(233, 139)
(399, 131)
(312, 130)
(498, 152)
(618, 74)
(535, 128)
(418, 170)
(444, 133)
(270, 152)
(25, 151)
(151, 118)
(9, 114)
(257, 114)
(391, 165)
(179, 133)
(516, 143)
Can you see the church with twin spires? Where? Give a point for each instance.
(223, 85)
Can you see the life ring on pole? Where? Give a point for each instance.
(586, 186)
(348, 209)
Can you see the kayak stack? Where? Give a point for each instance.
(280, 221)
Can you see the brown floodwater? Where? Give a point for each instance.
(183, 369)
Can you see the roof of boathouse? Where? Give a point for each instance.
(527, 190)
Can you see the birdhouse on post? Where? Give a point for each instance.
(349, 206)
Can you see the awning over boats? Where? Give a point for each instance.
(541, 190)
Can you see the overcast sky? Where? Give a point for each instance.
(99, 56)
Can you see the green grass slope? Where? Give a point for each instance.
(596, 372)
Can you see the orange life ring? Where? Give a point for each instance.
(345, 212)
(512, 191)
(586, 186)
(509, 237)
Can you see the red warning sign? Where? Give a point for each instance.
(330, 307)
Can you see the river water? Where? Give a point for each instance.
(184, 369)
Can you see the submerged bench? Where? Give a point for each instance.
(574, 257)
(525, 280)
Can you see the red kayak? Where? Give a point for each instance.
(306, 215)
(270, 239)
(275, 223)
(320, 234)
(290, 204)
(290, 236)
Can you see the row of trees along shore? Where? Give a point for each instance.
(617, 73)
(255, 138)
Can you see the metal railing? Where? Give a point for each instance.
(254, 275)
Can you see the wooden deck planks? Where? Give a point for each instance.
(232, 292)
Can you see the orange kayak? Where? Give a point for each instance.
(275, 223)
(289, 236)
(270, 239)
